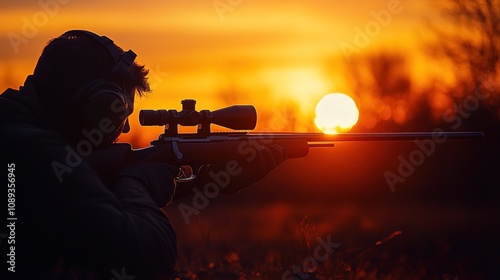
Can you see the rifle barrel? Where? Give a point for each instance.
(327, 140)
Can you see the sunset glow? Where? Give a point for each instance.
(349, 172)
(262, 53)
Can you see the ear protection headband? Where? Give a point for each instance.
(123, 61)
(88, 97)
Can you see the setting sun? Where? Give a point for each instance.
(336, 113)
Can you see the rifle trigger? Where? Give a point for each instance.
(177, 152)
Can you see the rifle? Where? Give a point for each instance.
(204, 146)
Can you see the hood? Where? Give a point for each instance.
(23, 105)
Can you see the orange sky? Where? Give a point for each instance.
(266, 52)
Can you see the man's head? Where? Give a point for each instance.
(87, 83)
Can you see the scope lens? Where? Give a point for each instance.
(153, 117)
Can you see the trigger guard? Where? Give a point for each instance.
(186, 174)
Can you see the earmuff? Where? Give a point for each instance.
(103, 104)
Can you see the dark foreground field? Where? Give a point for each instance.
(248, 248)
(440, 223)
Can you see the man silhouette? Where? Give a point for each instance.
(86, 207)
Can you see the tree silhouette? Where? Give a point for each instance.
(383, 84)
(472, 45)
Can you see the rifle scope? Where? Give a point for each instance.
(237, 117)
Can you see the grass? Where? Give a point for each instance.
(383, 259)
(251, 238)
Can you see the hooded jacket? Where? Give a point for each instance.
(69, 222)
